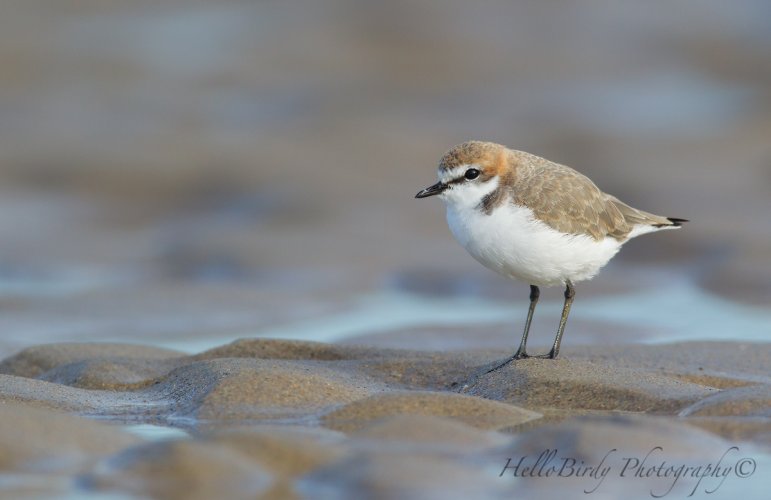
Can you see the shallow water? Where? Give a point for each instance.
(152, 432)
(679, 312)
(666, 308)
(278, 158)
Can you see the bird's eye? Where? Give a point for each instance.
(472, 174)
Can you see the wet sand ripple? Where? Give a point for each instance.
(285, 418)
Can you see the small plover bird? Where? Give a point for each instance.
(530, 219)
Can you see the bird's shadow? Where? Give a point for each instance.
(480, 372)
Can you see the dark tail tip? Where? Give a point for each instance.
(674, 222)
(677, 222)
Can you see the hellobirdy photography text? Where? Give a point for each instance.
(665, 474)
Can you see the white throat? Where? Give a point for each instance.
(468, 195)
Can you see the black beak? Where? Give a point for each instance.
(432, 190)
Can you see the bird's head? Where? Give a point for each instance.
(469, 172)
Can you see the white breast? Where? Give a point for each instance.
(512, 242)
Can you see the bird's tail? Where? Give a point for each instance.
(674, 221)
(637, 217)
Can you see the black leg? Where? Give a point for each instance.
(522, 351)
(570, 292)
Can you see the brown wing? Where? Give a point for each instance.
(569, 201)
(634, 216)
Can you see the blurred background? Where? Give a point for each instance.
(188, 173)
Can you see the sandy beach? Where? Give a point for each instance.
(215, 281)
(291, 419)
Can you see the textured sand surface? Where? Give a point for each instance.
(296, 419)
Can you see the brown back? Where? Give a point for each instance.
(570, 202)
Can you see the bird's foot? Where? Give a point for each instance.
(550, 355)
